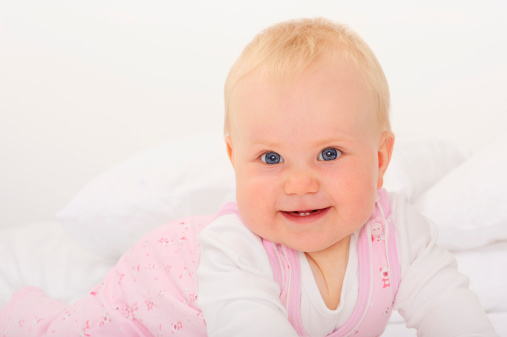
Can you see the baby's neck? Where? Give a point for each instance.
(328, 268)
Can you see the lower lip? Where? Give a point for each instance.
(314, 216)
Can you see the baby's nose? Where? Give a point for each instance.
(300, 182)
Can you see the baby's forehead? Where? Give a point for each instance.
(277, 78)
(318, 99)
(330, 68)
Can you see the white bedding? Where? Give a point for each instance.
(66, 257)
(43, 254)
(398, 329)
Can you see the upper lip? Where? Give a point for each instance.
(305, 209)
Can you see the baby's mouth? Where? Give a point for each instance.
(305, 213)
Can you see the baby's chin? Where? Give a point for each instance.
(317, 247)
(309, 244)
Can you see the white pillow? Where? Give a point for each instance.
(416, 165)
(469, 205)
(188, 176)
(41, 254)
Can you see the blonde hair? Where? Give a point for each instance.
(283, 51)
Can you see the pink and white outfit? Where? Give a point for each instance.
(243, 291)
(378, 282)
(169, 281)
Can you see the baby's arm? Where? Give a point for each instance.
(433, 296)
(149, 292)
(237, 293)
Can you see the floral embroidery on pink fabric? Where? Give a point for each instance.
(150, 292)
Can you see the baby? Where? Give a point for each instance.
(313, 245)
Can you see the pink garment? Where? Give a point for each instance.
(152, 289)
(150, 292)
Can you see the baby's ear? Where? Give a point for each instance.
(230, 153)
(385, 150)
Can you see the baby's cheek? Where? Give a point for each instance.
(256, 207)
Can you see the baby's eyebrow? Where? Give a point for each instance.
(318, 143)
(331, 141)
(263, 144)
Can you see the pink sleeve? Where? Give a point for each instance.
(151, 291)
(29, 313)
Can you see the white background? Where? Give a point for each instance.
(86, 84)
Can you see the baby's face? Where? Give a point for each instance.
(306, 155)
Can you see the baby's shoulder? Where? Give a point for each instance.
(407, 219)
(228, 232)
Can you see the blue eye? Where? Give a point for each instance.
(272, 158)
(329, 154)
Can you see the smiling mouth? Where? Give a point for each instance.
(305, 213)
